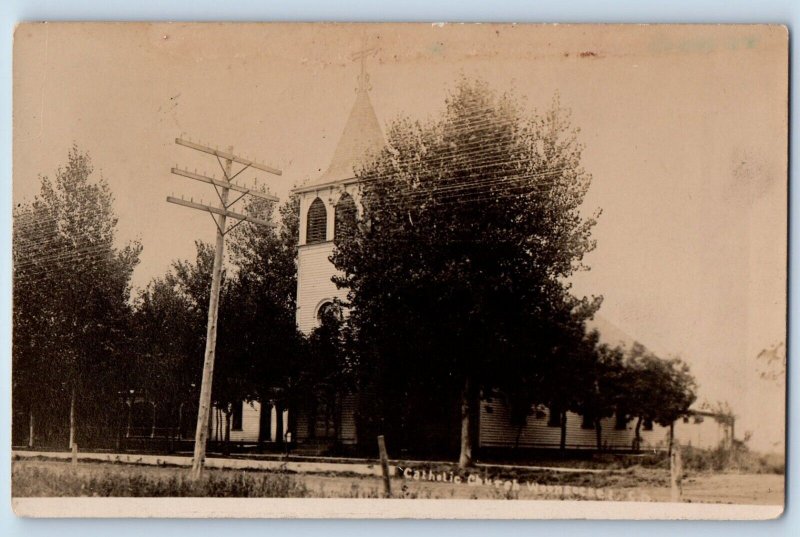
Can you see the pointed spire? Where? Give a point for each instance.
(362, 134)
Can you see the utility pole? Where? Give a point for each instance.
(220, 216)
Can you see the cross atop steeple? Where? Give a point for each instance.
(362, 135)
(363, 77)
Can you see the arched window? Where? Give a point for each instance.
(324, 310)
(344, 217)
(317, 222)
(328, 312)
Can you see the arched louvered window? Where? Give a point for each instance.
(345, 216)
(316, 223)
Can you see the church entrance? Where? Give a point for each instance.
(324, 414)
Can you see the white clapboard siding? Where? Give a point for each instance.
(700, 431)
(251, 413)
(496, 430)
(656, 438)
(314, 285)
(613, 438)
(347, 426)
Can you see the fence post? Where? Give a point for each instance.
(675, 472)
(387, 484)
(74, 454)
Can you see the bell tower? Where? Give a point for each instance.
(330, 197)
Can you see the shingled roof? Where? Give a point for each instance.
(362, 137)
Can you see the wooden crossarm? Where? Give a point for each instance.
(228, 156)
(224, 184)
(217, 210)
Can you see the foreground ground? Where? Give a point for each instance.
(47, 478)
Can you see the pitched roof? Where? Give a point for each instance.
(610, 333)
(362, 137)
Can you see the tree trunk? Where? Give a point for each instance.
(465, 458)
(227, 444)
(180, 422)
(563, 444)
(598, 434)
(335, 413)
(313, 415)
(217, 436)
(128, 421)
(153, 424)
(637, 438)
(279, 423)
(264, 422)
(30, 428)
(291, 424)
(72, 417)
(227, 426)
(118, 422)
(671, 436)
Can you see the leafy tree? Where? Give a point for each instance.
(456, 275)
(259, 344)
(326, 373)
(656, 389)
(169, 330)
(567, 376)
(596, 382)
(71, 293)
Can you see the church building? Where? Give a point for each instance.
(327, 204)
(329, 423)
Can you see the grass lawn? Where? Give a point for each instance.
(45, 478)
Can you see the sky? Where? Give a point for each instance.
(685, 134)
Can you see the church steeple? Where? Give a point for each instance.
(330, 201)
(362, 135)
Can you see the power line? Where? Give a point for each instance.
(467, 191)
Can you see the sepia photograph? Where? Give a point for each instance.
(399, 270)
